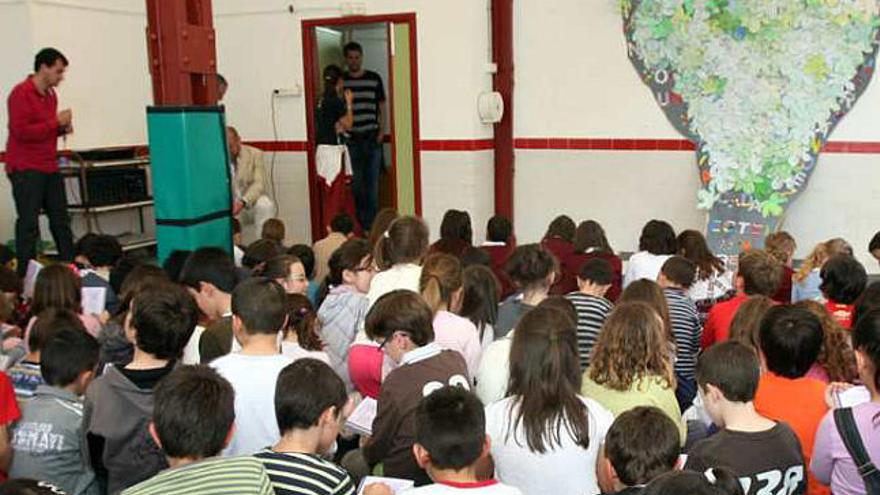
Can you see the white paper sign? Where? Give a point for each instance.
(94, 300)
(30, 278)
(361, 420)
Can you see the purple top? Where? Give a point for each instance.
(831, 462)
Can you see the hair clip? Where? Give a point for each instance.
(386, 235)
(710, 475)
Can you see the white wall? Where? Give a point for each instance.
(573, 79)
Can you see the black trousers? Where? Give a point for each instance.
(32, 192)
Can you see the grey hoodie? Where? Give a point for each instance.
(342, 315)
(48, 444)
(117, 416)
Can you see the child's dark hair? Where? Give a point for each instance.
(303, 320)
(66, 355)
(591, 235)
(48, 323)
(530, 266)
(761, 272)
(499, 229)
(680, 271)
(349, 256)
(401, 310)
(562, 227)
(58, 287)
(261, 304)
(342, 223)
(306, 256)
(658, 238)
(103, 250)
(733, 368)
(259, 252)
(174, 263)
(10, 281)
(451, 426)
(277, 267)
(479, 302)
(693, 246)
(164, 316)
(716, 481)
(332, 74)
(441, 277)
(273, 230)
(193, 411)
(596, 270)
(26, 486)
(473, 255)
(141, 276)
(6, 254)
(870, 299)
(642, 444)
(746, 325)
(304, 390)
(456, 226)
(383, 220)
(212, 265)
(866, 339)
(405, 242)
(843, 279)
(874, 244)
(790, 340)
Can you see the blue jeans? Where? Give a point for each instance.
(366, 161)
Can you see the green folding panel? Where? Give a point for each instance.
(191, 178)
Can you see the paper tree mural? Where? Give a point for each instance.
(758, 86)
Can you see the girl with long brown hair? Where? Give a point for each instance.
(545, 436)
(837, 360)
(714, 282)
(631, 364)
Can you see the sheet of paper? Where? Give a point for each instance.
(397, 485)
(30, 278)
(853, 396)
(93, 300)
(361, 420)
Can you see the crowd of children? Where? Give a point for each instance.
(387, 364)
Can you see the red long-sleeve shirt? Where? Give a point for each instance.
(33, 129)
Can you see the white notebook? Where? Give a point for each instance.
(361, 420)
(397, 485)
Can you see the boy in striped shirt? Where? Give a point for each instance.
(193, 417)
(310, 405)
(594, 279)
(676, 276)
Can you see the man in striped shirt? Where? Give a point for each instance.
(594, 279)
(310, 405)
(365, 137)
(676, 276)
(193, 416)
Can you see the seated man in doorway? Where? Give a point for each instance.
(250, 204)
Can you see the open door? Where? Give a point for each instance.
(400, 182)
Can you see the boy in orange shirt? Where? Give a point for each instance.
(791, 339)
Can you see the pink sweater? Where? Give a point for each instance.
(459, 334)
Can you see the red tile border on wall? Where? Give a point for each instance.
(556, 143)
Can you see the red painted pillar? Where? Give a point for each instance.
(502, 82)
(182, 54)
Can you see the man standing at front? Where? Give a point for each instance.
(365, 141)
(31, 163)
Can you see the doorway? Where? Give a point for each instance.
(389, 45)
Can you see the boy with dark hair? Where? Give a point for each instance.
(451, 442)
(120, 402)
(340, 230)
(790, 340)
(874, 246)
(192, 422)
(843, 281)
(209, 275)
(401, 322)
(310, 406)
(594, 280)
(764, 454)
(641, 444)
(47, 441)
(499, 244)
(102, 252)
(676, 276)
(259, 312)
(759, 273)
(26, 375)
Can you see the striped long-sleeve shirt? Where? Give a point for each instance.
(686, 329)
(591, 311)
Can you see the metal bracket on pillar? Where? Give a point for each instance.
(182, 54)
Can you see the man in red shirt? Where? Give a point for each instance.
(759, 273)
(31, 163)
